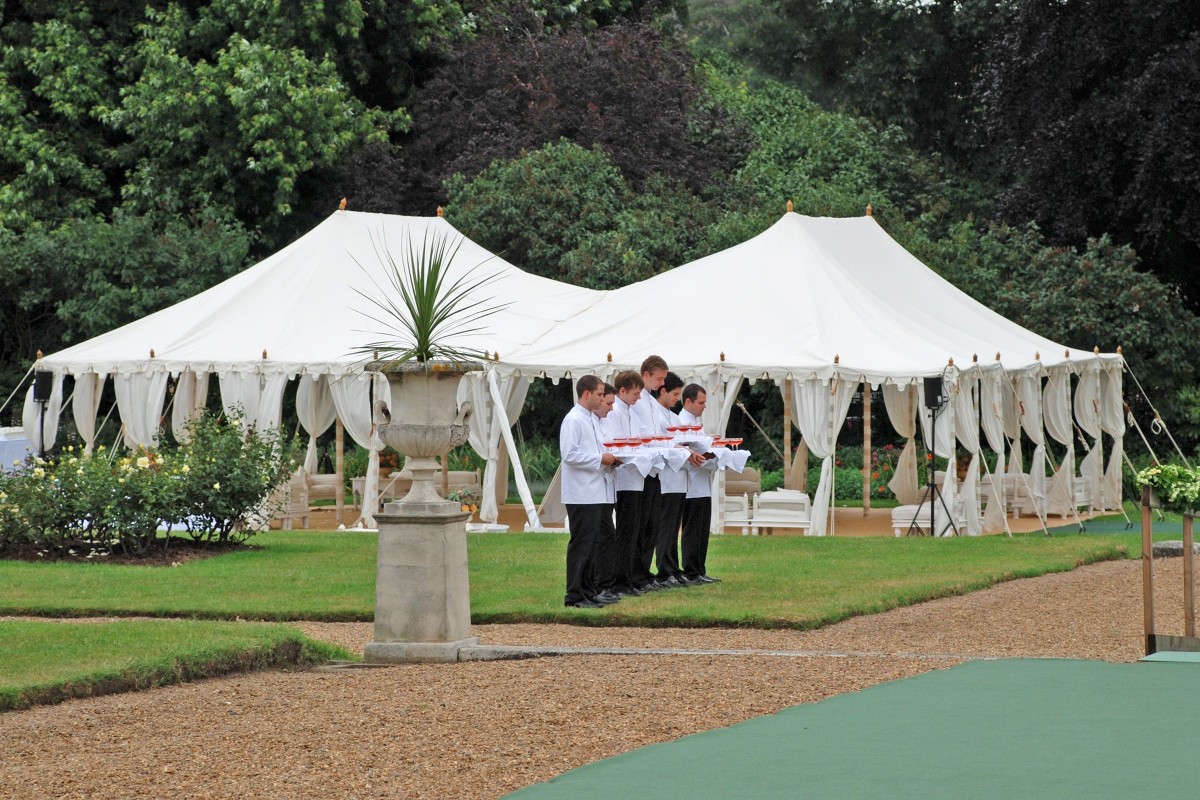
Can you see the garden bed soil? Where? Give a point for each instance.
(164, 553)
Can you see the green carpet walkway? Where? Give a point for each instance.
(985, 729)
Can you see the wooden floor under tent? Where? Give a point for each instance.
(848, 521)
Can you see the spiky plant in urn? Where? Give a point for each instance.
(423, 308)
(422, 595)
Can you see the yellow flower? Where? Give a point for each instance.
(216, 485)
(185, 469)
(143, 462)
(39, 472)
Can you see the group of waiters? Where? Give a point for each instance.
(608, 558)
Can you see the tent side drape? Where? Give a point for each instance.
(1112, 421)
(1056, 410)
(316, 413)
(191, 399)
(991, 419)
(820, 409)
(1029, 394)
(966, 430)
(140, 398)
(32, 412)
(85, 406)
(901, 404)
(352, 399)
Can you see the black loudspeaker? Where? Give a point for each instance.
(43, 382)
(933, 392)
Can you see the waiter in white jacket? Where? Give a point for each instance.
(620, 424)
(645, 410)
(673, 483)
(588, 490)
(697, 506)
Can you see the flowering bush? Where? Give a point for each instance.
(1177, 486)
(91, 507)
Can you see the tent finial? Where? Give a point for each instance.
(487, 355)
(997, 355)
(951, 362)
(1096, 350)
(722, 355)
(441, 212)
(496, 356)
(1119, 350)
(975, 358)
(870, 210)
(836, 358)
(264, 354)
(1037, 356)
(342, 205)
(375, 355)
(610, 358)
(152, 352)
(789, 205)
(39, 355)
(1066, 354)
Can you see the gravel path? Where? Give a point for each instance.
(480, 730)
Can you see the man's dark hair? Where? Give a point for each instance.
(628, 380)
(692, 392)
(609, 389)
(653, 363)
(588, 383)
(671, 382)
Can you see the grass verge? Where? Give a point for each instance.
(48, 662)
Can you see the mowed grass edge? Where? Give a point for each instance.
(49, 662)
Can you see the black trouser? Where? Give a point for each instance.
(647, 534)
(697, 517)
(666, 553)
(587, 526)
(606, 556)
(629, 520)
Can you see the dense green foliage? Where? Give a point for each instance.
(150, 150)
(215, 487)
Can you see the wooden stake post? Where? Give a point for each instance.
(1156, 642)
(787, 431)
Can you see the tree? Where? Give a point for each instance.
(1090, 108)
(626, 89)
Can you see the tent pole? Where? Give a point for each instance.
(802, 466)
(502, 463)
(339, 489)
(787, 430)
(445, 473)
(866, 449)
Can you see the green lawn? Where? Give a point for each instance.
(46, 662)
(776, 581)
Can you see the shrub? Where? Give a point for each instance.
(216, 487)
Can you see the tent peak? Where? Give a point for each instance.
(342, 205)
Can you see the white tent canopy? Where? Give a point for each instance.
(827, 304)
(302, 311)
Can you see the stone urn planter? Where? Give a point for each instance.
(422, 590)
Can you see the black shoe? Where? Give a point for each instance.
(683, 580)
(652, 586)
(584, 604)
(670, 582)
(631, 591)
(706, 579)
(606, 598)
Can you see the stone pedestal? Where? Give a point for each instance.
(422, 595)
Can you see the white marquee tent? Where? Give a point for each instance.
(300, 312)
(828, 305)
(819, 305)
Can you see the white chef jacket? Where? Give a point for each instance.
(699, 478)
(619, 425)
(645, 415)
(688, 418)
(674, 481)
(585, 481)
